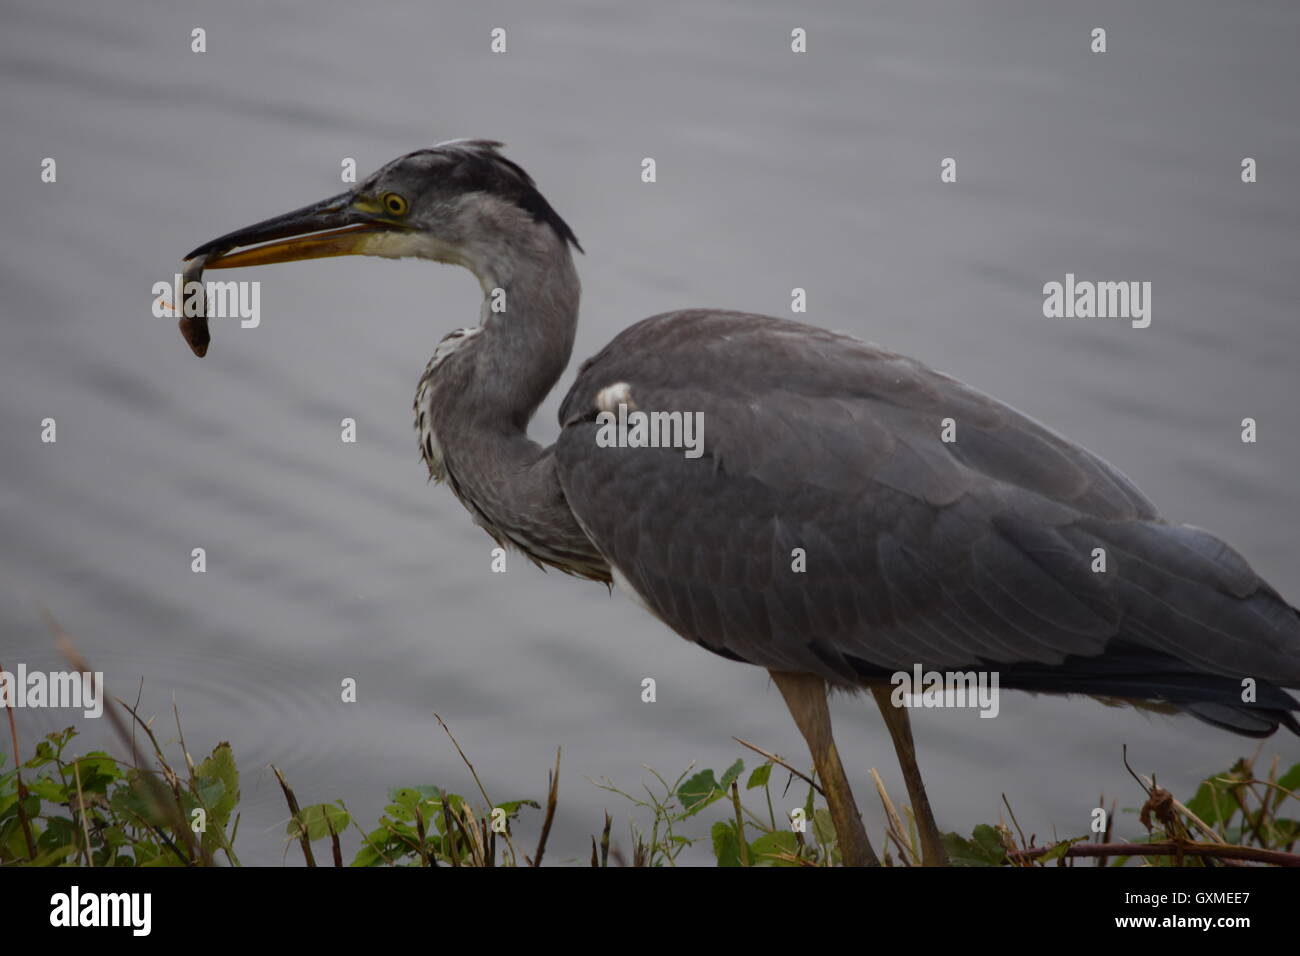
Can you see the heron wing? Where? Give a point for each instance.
(829, 527)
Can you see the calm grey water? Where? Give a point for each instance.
(328, 560)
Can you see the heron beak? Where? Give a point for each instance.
(339, 226)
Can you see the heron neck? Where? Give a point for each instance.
(505, 478)
(529, 319)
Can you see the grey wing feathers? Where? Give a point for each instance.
(975, 553)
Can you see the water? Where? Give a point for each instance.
(328, 561)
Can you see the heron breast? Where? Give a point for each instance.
(430, 448)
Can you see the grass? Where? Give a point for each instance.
(95, 809)
(98, 810)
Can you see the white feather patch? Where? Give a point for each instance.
(609, 398)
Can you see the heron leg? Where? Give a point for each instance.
(900, 729)
(805, 695)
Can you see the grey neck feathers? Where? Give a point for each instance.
(523, 350)
(490, 392)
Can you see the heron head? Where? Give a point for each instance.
(460, 202)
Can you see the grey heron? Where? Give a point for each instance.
(975, 554)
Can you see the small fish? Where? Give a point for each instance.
(195, 327)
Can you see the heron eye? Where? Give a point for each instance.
(395, 204)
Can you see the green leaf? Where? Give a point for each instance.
(13, 845)
(164, 858)
(43, 754)
(730, 774)
(405, 814)
(210, 792)
(424, 797)
(1059, 849)
(983, 849)
(1204, 803)
(379, 843)
(407, 797)
(698, 792)
(319, 820)
(136, 798)
(1289, 781)
(367, 856)
(220, 766)
(55, 856)
(426, 801)
(511, 807)
(58, 832)
(779, 842)
(50, 790)
(760, 776)
(726, 848)
(823, 827)
(98, 771)
(1285, 832)
(455, 803)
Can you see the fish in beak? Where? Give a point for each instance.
(343, 225)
